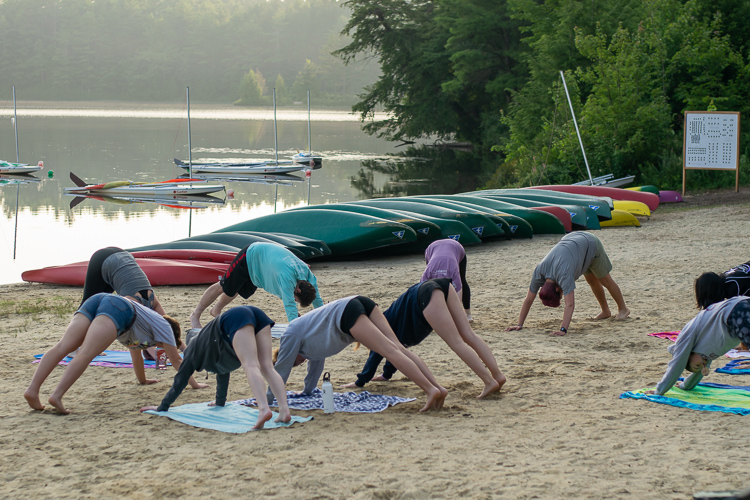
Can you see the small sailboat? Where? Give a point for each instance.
(308, 157)
(7, 167)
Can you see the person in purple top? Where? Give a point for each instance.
(447, 259)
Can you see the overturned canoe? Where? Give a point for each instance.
(621, 218)
(344, 232)
(649, 199)
(600, 205)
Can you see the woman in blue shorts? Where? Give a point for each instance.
(101, 320)
(239, 337)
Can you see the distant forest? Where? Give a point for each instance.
(150, 50)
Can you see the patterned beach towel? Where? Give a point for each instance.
(352, 402)
(734, 353)
(113, 359)
(704, 397)
(235, 419)
(736, 367)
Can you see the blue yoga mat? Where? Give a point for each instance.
(235, 419)
(731, 368)
(704, 397)
(113, 359)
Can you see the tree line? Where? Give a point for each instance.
(488, 72)
(150, 50)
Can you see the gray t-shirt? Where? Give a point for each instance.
(566, 262)
(124, 275)
(149, 328)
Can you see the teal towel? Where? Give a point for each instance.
(702, 398)
(235, 419)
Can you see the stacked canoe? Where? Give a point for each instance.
(386, 226)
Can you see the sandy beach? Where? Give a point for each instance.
(557, 429)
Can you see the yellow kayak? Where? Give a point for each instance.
(633, 207)
(621, 218)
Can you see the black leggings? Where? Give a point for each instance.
(466, 293)
(356, 307)
(94, 280)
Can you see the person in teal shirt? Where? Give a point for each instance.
(266, 265)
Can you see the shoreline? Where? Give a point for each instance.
(556, 429)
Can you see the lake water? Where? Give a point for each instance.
(101, 142)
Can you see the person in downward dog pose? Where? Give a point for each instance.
(268, 266)
(715, 330)
(574, 255)
(101, 320)
(434, 305)
(446, 258)
(327, 330)
(239, 337)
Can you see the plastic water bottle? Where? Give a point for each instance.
(327, 394)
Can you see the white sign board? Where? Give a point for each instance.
(712, 140)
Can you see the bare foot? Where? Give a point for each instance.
(489, 388)
(32, 398)
(623, 314)
(501, 380)
(605, 315)
(214, 311)
(57, 403)
(284, 417)
(380, 378)
(469, 317)
(263, 417)
(434, 400)
(195, 321)
(443, 395)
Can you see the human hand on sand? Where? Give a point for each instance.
(514, 328)
(147, 408)
(150, 381)
(350, 385)
(557, 333)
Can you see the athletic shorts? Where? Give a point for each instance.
(236, 279)
(239, 317)
(738, 321)
(424, 294)
(356, 307)
(121, 311)
(600, 266)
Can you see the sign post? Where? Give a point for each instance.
(711, 142)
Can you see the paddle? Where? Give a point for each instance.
(76, 201)
(77, 181)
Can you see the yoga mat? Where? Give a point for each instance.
(704, 397)
(235, 419)
(732, 368)
(350, 402)
(734, 353)
(113, 359)
(665, 335)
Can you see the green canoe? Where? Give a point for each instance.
(449, 228)
(541, 222)
(188, 245)
(427, 232)
(601, 205)
(241, 240)
(581, 217)
(481, 224)
(344, 232)
(517, 226)
(311, 242)
(308, 252)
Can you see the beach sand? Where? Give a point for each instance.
(556, 430)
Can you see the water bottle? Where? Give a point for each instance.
(327, 394)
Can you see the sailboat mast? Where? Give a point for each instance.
(309, 136)
(190, 146)
(591, 179)
(275, 134)
(18, 186)
(15, 122)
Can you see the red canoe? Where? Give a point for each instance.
(159, 272)
(187, 254)
(561, 214)
(649, 199)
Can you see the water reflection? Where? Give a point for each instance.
(417, 171)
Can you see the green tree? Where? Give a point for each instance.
(307, 79)
(251, 90)
(282, 94)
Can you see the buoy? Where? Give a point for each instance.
(50, 174)
(230, 194)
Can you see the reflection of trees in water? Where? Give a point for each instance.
(423, 170)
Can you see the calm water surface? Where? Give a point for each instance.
(102, 142)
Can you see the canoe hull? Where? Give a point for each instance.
(649, 199)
